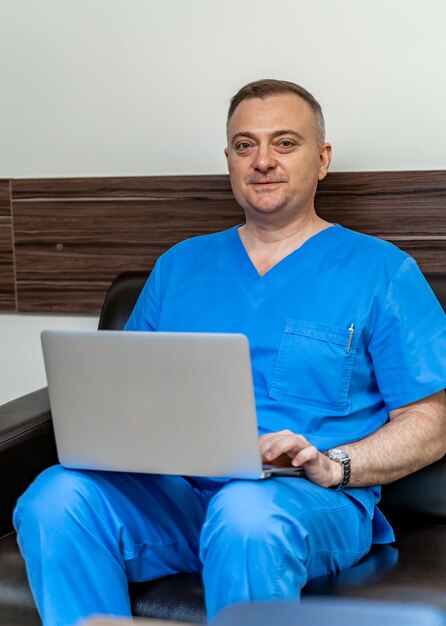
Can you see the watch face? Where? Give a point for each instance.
(335, 453)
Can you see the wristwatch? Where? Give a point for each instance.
(335, 454)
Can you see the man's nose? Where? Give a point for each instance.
(264, 159)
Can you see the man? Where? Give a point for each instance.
(347, 345)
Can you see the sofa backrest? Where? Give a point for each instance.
(120, 299)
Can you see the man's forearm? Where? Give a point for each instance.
(414, 437)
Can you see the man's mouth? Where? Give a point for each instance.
(264, 183)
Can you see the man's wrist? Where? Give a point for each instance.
(337, 473)
(341, 476)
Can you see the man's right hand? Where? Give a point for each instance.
(285, 448)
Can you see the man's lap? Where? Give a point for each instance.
(159, 519)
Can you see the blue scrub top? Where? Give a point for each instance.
(341, 331)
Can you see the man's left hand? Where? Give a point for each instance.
(285, 448)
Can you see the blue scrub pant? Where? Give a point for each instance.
(85, 535)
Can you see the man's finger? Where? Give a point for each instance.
(307, 456)
(266, 441)
(288, 444)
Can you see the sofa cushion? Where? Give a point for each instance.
(413, 571)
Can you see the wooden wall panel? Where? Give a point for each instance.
(7, 283)
(386, 204)
(406, 208)
(7, 279)
(5, 199)
(136, 187)
(72, 236)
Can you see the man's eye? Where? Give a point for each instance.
(243, 146)
(286, 143)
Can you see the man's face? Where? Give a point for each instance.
(274, 155)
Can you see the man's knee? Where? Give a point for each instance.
(250, 546)
(243, 513)
(56, 496)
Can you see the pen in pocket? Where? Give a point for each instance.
(352, 332)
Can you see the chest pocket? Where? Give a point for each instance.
(314, 364)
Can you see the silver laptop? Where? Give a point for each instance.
(163, 403)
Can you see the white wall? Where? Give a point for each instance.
(127, 87)
(21, 365)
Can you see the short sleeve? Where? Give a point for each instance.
(146, 312)
(408, 345)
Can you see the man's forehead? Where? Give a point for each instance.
(273, 114)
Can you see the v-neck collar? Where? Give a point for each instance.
(258, 286)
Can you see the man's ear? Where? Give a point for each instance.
(324, 160)
(226, 151)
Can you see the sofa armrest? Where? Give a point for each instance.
(26, 448)
(421, 493)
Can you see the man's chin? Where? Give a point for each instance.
(267, 208)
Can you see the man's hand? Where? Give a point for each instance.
(285, 448)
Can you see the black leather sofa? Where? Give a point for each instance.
(414, 569)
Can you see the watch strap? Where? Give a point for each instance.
(340, 456)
